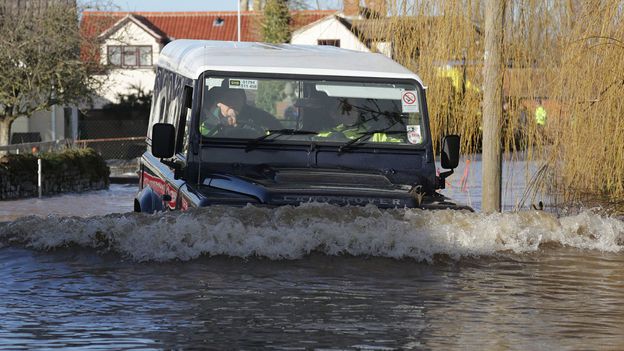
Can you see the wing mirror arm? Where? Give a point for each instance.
(178, 168)
(442, 179)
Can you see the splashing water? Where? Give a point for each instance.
(294, 232)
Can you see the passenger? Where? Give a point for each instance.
(345, 118)
(228, 107)
(313, 111)
(350, 123)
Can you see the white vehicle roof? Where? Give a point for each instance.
(191, 58)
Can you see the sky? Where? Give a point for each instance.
(193, 5)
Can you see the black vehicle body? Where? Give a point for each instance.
(181, 169)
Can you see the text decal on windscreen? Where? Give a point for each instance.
(247, 84)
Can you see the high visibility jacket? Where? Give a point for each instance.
(540, 115)
(356, 132)
(457, 78)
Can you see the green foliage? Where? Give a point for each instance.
(269, 92)
(87, 161)
(276, 22)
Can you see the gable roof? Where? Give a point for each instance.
(338, 18)
(207, 25)
(139, 21)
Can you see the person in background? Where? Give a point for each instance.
(540, 114)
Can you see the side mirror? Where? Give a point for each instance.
(163, 140)
(450, 152)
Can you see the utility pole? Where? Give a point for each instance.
(492, 106)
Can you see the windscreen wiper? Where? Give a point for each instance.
(252, 144)
(365, 136)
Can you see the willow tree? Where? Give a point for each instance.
(566, 54)
(40, 63)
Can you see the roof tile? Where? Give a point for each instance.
(196, 25)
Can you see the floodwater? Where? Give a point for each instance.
(94, 275)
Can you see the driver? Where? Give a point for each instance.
(223, 109)
(227, 107)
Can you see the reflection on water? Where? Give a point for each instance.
(464, 185)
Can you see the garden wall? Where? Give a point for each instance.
(71, 170)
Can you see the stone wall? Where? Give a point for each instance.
(72, 170)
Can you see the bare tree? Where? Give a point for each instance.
(41, 64)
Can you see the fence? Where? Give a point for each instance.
(110, 148)
(115, 148)
(41, 146)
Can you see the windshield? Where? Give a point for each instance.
(323, 110)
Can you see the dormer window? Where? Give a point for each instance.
(130, 56)
(329, 42)
(218, 22)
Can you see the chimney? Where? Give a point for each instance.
(351, 8)
(378, 6)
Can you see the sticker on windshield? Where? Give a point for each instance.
(248, 84)
(409, 101)
(213, 82)
(413, 134)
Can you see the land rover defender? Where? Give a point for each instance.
(250, 123)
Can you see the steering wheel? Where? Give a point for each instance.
(250, 126)
(245, 130)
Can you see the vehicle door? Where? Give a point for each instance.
(180, 112)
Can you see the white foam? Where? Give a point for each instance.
(293, 232)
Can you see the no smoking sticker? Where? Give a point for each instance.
(409, 101)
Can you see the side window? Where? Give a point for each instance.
(184, 121)
(171, 115)
(162, 107)
(154, 110)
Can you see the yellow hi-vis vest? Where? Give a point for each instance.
(540, 115)
(356, 132)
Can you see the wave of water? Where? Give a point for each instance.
(293, 232)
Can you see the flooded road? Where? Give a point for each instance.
(118, 199)
(311, 277)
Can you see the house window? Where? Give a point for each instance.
(130, 56)
(330, 42)
(114, 55)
